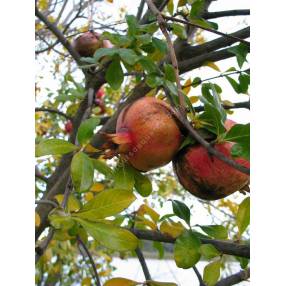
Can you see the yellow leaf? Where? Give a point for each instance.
(142, 221)
(86, 281)
(194, 99)
(43, 4)
(73, 202)
(152, 92)
(227, 103)
(145, 209)
(83, 29)
(187, 86)
(97, 187)
(90, 149)
(212, 65)
(105, 272)
(173, 229)
(37, 219)
(110, 1)
(228, 111)
(121, 282)
(88, 196)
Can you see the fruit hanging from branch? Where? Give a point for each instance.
(147, 134)
(87, 43)
(207, 177)
(68, 127)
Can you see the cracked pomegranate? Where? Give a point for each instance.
(207, 177)
(147, 134)
(87, 43)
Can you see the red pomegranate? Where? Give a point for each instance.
(68, 127)
(206, 176)
(147, 134)
(100, 93)
(100, 103)
(87, 43)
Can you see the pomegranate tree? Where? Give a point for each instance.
(207, 177)
(147, 134)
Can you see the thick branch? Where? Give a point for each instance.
(218, 14)
(226, 247)
(51, 110)
(143, 263)
(59, 35)
(235, 278)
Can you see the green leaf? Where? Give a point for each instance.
(143, 184)
(234, 84)
(215, 231)
(149, 28)
(117, 39)
(103, 52)
(197, 7)
(54, 147)
(243, 215)
(148, 65)
(102, 168)
(128, 56)
(156, 283)
(181, 210)
(187, 141)
(160, 45)
(212, 273)
(244, 81)
(153, 80)
(179, 30)
(187, 250)
(82, 172)
(171, 87)
(85, 131)
(241, 52)
(143, 39)
(114, 74)
(209, 251)
(106, 203)
(132, 25)
(59, 219)
(110, 236)
(238, 151)
(170, 7)
(240, 133)
(170, 72)
(124, 177)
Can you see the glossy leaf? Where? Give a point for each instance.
(110, 236)
(128, 56)
(114, 74)
(215, 231)
(181, 210)
(124, 177)
(241, 52)
(170, 228)
(73, 203)
(209, 251)
(143, 184)
(102, 52)
(85, 131)
(106, 203)
(169, 72)
(187, 250)
(243, 215)
(102, 167)
(82, 172)
(54, 147)
(212, 273)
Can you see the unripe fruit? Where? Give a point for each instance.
(87, 43)
(207, 177)
(68, 127)
(147, 134)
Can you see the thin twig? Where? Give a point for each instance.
(143, 263)
(51, 110)
(199, 276)
(48, 202)
(205, 28)
(140, 10)
(235, 278)
(81, 243)
(218, 14)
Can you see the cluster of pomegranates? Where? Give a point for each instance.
(149, 135)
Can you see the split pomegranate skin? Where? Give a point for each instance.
(147, 134)
(207, 177)
(87, 43)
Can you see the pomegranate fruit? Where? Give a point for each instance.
(100, 93)
(99, 102)
(147, 134)
(87, 43)
(68, 127)
(207, 177)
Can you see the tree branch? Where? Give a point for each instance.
(207, 29)
(51, 110)
(48, 202)
(199, 276)
(218, 14)
(53, 28)
(226, 247)
(143, 263)
(81, 243)
(140, 10)
(235, 278)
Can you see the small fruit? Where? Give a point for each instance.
(100, 93)
(207, 177)
(147, 134)
(68, 127)
(99, 102)
(87, 43)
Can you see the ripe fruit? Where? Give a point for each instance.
(147, 134)
(68, 127)
(206, 176)
(87, 43)
(100, 93)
